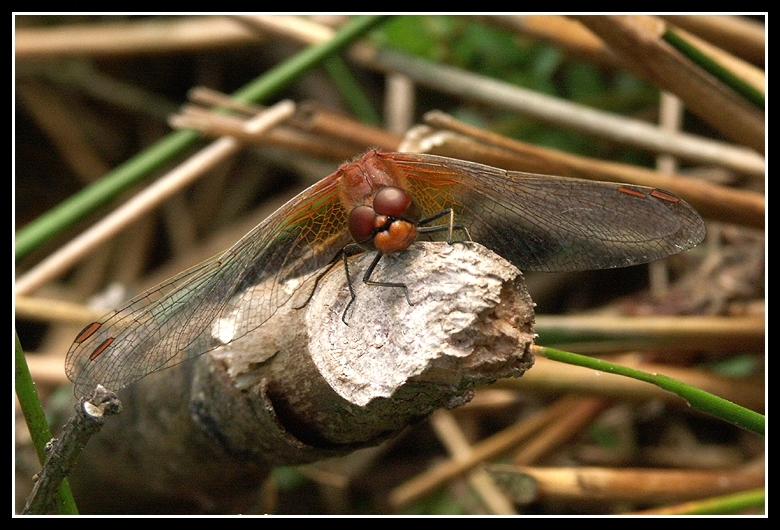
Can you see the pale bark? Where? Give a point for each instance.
(201, 437)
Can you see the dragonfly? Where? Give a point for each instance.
(381, 202)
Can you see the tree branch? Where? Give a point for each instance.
(305, 386)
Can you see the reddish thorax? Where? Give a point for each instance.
(383, 215)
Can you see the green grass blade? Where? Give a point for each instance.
(743, 88)
(37, 424)
(697, 398)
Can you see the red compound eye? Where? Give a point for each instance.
(361, 223)
(395, 202)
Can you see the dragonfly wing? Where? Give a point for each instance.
(555, 224)
(175, 320)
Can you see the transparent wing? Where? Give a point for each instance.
(175, 320)
(538, 222)
(553, 224)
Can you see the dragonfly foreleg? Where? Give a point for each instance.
(450, 227)
(368, 281)
(320, 276)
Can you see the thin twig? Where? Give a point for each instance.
(64, 451)
(684, 332)
(638, 485)
(482, 451)
(310, 117)
(557, 433)
(214, 124)
(453, 438)
(399, 103)
(130, 38)
(54, 311)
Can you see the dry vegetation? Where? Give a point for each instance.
(93, 92)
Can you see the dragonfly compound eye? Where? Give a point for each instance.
(395, 202)
(361, 225)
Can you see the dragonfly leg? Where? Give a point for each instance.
(348, 251)
(450, 227)
(319, 277)
(368, 281)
